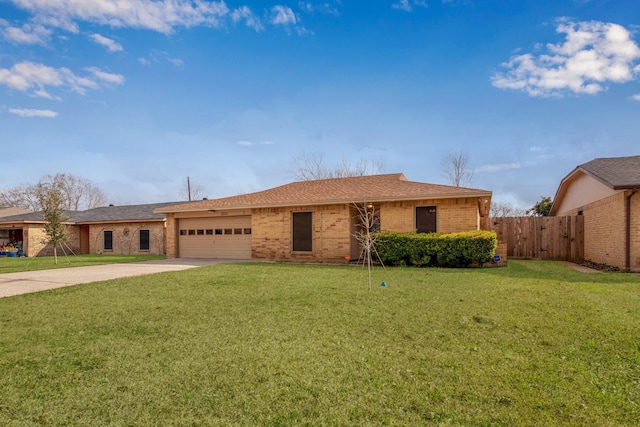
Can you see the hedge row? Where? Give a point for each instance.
(436, 249)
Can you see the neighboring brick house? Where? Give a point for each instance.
(316, 220)
(132, 229)
(605, 191)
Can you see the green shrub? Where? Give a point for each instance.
(436, 249)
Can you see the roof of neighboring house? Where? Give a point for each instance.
(618, 173)
(371, 188)
(35, 217)
(122, 213)
(10, 211)
(101, 214)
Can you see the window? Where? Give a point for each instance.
(192, 232)
(237, 231)
(108, 240)
(426, 219)
(200, 232)
(228, 231)
(247, 231)
(183, 232)
(218, 231)
(144, 240)
(302, 232)
(209, 232)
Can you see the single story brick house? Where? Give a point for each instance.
(315, 220)
(605, 191)
(132, 229)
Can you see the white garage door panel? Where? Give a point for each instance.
(226, 238)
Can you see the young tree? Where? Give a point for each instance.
(51, 200)
(307, 167)
(369, 224)
(542, 207)
(457, 168)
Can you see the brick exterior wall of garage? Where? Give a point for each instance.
(171, 236)
(605, 231)
(453, 215)
(126, 238)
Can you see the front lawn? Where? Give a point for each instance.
(16, 265)
(533, 344)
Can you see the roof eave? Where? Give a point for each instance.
(331, 202)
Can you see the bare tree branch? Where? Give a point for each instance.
(76, 193)
(307, 167)
(457, 168)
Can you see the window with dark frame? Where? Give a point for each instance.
(145, 241)
(302, 232)
(426, 219)
(108, 240)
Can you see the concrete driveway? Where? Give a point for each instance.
(34, 281)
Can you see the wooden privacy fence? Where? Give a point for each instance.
(548, 237)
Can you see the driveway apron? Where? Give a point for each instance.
(33, 281)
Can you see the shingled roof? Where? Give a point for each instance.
(619, 173)
(372, 188)
(123, 213)
(144, 212)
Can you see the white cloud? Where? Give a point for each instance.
(26, 112)
(326, 7)
(28, 76)
(116, 79)
(111, 45)
(593, 54)
(407, 6)
(29, 33)
(157, 15)
(283, 15)
(498, 167)
(250, 143)
(636, 97)
(245, 14)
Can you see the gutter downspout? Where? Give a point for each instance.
(628, 232)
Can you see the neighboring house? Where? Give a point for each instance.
(605, 191)
(316, 220)
(8, 235)
(132, 229)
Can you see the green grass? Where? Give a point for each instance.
(533, 344)
(16, 265)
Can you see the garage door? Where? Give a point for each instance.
(225, 238)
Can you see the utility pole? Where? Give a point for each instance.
(189, 188)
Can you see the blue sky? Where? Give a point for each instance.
(136, 95)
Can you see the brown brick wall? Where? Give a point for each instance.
(452, 215)
(604, 231)
(36, 239)
(126, 238)
(635, 232)
(271, 235)
(170, 236)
